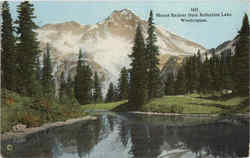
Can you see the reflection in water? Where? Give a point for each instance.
(135, 136)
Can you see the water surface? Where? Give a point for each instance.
(135, 136)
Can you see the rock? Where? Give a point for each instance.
(19, 128)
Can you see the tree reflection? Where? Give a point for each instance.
(88, 137)
(218, 140)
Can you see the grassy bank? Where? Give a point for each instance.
(185, 104)
(103, 106)
(33, 112)
(194, 104)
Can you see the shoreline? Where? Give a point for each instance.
(188, 115)
(44, 127)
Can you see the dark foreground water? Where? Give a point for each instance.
(135, 136)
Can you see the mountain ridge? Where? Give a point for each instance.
(107, 43)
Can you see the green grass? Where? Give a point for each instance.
(185, 104)
(102, 106)
(191, 104)
(34, 112)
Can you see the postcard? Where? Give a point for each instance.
(125, 79)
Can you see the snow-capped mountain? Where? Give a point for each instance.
(106, 45)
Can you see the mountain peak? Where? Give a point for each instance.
(123, 14)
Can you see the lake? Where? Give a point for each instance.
(127, 135)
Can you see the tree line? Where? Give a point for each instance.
(223, 73)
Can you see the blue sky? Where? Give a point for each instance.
(210, 34)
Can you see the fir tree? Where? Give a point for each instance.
(188, 74)
(123, 84)
(47, 77)
(241, 59)
(8, 51)
(69, 88)
(28, 49)
(194, 74)
(62, 90)
(180, 82)
(138, 74)
(198, 70)
(78, 76)
(110, 97)
(215, 73)
(152, 53)
(116, 93)
(97, 96)
(226, 74)
(170, 84)
(83, 81)
(205, 77)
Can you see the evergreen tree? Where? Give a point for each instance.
(47, 77)
(241, 59)
(188, 74)
(198, 71)
(110, 97)
(226, 74)
(180, 82)
(138, 75)
(123, 85)
(62, 90)
(28, 50)
(97, 96)
(83, 81)
(69, 91)
(205, 77)
(170, 84)
(116, 93)
(215, 73)
(8, 51)
(152, 53)
(78, 76)
(194, 74)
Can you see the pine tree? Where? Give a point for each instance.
(47, 77)
(152, 53)
(170, 84)
(194, 74)
(241, 59)
(110, 97)
(28, 50)
(123, 84)
(198, 70)
(216, 78)
(83, 81)
(78, 76)
(205, 77)
(116, 93)
(8, 51)
(69, 88)
(138, 74)
(188, 68)
(62, 90)
(97, 96)
(180, 82)
(226, 75)
(86, 85)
